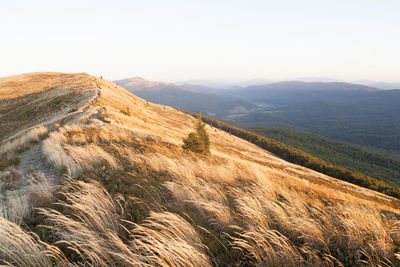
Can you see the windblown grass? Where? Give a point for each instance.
(18, 206)
(15, 208)
(11, 147)
(95, 229)
(74, 158)
(20, 248)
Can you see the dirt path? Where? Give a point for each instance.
(33, 168)
(33, 165)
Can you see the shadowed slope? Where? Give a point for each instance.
(32, 99)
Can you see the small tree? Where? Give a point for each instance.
(198, 141)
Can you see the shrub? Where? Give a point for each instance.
(198, 141)
(126, 112)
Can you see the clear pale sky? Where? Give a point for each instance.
(220, 40)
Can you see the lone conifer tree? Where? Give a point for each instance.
(198, 141)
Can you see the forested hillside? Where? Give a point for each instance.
(380, 165)
(371, 120)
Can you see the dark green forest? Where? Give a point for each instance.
(371, 119)
(377, 164)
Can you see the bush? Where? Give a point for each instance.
(126, 112)
(198, 141)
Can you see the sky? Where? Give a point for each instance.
(231, 40)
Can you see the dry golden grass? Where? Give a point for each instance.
(240, 205)
(346, 231)
(19, 248)
(95, 231)
(35, 99)
(15, 208)
(25, 84)
(7, 149)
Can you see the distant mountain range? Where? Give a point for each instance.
(140, 84)
(380, 85)
(215, 85)
(223, 85)
(358, 114)
(285, 93)
(193, 99)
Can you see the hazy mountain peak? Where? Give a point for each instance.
(380, 85)
(138, 83)
(316, 79)
(215, 84)
(317, 86)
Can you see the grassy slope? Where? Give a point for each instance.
(138, 199)
(27, 100)
(297, 156)
(376, 164)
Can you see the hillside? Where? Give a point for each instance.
(134, 197)
(186, 98)
(31, 99)
(382, 166)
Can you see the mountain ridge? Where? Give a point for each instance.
(185, 98)
(138, 83)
